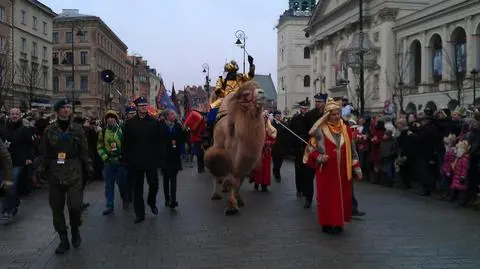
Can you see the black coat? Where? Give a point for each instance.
(300, 125)
(282, 141)
(173, 149)
(21, 142)
(143, 143)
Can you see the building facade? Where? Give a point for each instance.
(32, 49)
(137, 77)
(422, 51)
(294, 60)
(84, 46)
(154, 81)
(6, 54)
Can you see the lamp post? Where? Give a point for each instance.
(361, 55)
(72, 60)
(206, 71)
(474, 73)
(241, 42)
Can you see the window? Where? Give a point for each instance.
(3, 43)
(56, 85)
(83, 57)
(84, 36)
(2, 14)
(23, 65)
(45, 27)
(45, 78)
(45, 52)
(55, 57)
(24, 17)
(35, 22)
(34, 49)
(55, 37)
(69, 37)
(306, 81)
(69, 82)
(68, 57)
(306, 53)
(24, 45)
(84, 83)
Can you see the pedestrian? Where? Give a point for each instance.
(63, 153)
(144, 152)
(280, 148)
(109, 149)
(334, 157)
(263, 173)
(6, 168)
(174, 136)
(130, 112)
(19, 141)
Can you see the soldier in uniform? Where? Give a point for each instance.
(63, 159)
(303, 173)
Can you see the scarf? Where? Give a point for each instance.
(341, 128)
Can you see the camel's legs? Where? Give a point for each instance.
(232, 204)
(237, 194)
(215, 194)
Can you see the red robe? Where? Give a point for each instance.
(334, 189)
(263, 173)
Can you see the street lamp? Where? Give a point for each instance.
(206, 71)
(361, 54)
(241, 42)
(72, 60)
(474, 73)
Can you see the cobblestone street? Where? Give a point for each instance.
(401, 230)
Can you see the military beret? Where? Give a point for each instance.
(60, 103)
(130, 109)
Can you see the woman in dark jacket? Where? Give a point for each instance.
(175, 136)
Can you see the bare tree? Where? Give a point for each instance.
(31, 77)
(396, 79)
(369, 93)
(7, 72)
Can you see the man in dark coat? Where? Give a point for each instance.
(303, 174)
(281, 146)
(63, 160)
(144, 152)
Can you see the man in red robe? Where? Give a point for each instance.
(332, 153)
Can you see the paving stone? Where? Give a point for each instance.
(401, 230)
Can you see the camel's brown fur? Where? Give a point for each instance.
(238, 139)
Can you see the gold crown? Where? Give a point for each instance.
(232, 66)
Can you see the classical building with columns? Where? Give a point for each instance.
(423, 51)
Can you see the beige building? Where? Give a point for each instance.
(32, 48)
(84, 46)
(155, 81)
(6, 59)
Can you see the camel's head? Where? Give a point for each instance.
(250, 95)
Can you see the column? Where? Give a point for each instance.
(426, 58)
(329, 79)
(471, 55)
(447, 57)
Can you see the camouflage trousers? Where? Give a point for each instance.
(73, 194)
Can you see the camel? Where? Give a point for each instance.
(238, 139)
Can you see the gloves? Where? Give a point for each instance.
(250, 60)
(358, 172)
(322, 158)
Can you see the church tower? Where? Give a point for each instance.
(294, 63)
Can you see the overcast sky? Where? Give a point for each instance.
(178, 36)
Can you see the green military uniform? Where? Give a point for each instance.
(64, 157)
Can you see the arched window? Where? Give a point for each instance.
(306, 53)
(306, 81)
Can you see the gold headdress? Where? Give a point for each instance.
(329, 107)
(232, 66)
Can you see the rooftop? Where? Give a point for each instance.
(267, 85)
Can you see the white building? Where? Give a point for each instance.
(426, 49)
(294, 63)
(32, 48)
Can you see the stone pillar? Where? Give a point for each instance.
(447, 57)
(471, 49)
(329, 78)
(386, 62)
(426, 56)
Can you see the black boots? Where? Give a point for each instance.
(76, 239)
(64, 245)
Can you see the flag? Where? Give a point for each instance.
(186, 102)
(164, 101)
(173, 96)
(161, 91)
